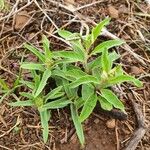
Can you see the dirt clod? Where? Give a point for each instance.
(111, 123)
(113, 12)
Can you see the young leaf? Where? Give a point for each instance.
(84, 80)
(46, 75)
(73, 56)
(44, 123)
(123, 78)
(77, 124)
(3, 84)
(25, 94)
(88, 107)
(79, 103)
(106, 62)
(112, 99)
(22, 103)
(107, 45)
(46, 45)
(35, 51)
(27, 83)
(56, 104)
(75, 73)
(32, 66)
(65, 34)
(104, 103)
(96, 31)
(87, 90)
(53, 93)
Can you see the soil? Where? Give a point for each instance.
(20, 127)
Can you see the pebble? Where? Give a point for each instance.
(96, 121)
(111, 123)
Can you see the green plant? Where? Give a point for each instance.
(84, 75)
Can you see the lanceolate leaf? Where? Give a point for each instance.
(87, 91)
(104, 103)
(46, 75)
(77, 124)
(106, 62)
(112, 98)
(107, 45)
(25, 94)
(46, 47)
(56, 104)
(64, 34)
(96, 31)
(123, 78)
(75, 73)
(73, 56)
(84, 80)
(44, 123)
(22, 103)
(88, 107)
(35, 51)
(53, 93)
(32, 66)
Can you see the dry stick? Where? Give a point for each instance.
(14, 12)
(46, 14)
(140, 131)
(105, 32)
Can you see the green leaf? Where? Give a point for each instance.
(75, 73)
(32, 66)
(123, 78)
(27, 83)
(78, 48)
(112, 98)
(45, 77)
(87, 90)
(104, 103)
(96, 31)
(97, 62)
(107, 45)
(84, 80)
(106, 62)
(46, 46)
(22, 103)
(52, 94)
(73, 56)
(65, 34)
(44, 123)
(25, 94)
(79, 102)
(56, 104)
(3, 84)
(88, 107)
(35, 51)
(77, 124)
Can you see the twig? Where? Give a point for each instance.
(46, 14)
(12, 12)
(140, 131)
(105, 32)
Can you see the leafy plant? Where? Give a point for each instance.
(84, 75)
(43, 102)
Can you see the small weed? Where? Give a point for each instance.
(83, 75)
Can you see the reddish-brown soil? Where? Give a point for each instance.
(20, 127)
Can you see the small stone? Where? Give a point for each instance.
(96, 121)
(113, 12)
(111, 123)
(136, 70)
